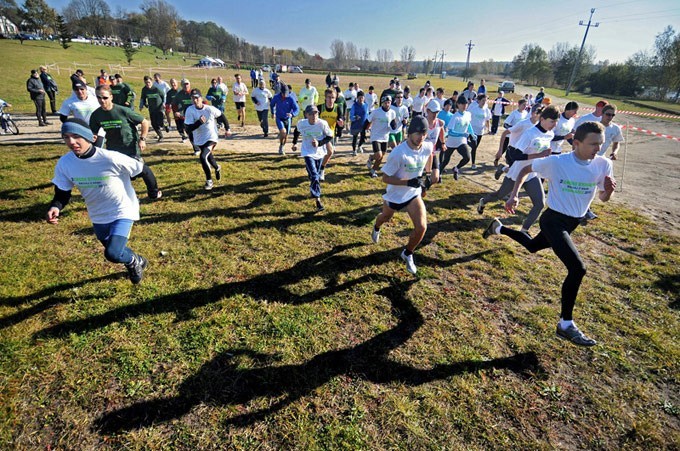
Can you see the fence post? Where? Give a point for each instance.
(625, 152)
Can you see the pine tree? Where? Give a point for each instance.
(62, 31)
(129, 50)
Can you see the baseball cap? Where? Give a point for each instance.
(386, 98)
(418, 125)
(311, 109)
(185, 81)
(78, 85)
(196, 93)
(434, 106)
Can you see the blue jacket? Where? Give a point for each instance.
(283, 106)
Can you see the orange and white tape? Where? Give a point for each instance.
(634, 113)
(649, 132)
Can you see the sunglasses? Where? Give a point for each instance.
(103, 98)
(610, 114)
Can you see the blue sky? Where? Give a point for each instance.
(498, 29)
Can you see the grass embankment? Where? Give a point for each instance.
(262, 325)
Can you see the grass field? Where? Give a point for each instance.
(261, 325)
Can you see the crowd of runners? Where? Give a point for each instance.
(409, 138)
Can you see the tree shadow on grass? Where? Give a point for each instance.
(220, 382)
(670, 283)
(270, 287)
(19, 193)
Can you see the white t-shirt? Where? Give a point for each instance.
(104, 182)
(515, 117)
(319, 130)
(563, 128)
(380, 120)
(408, 102)
(80, 109)
(433, 132)
(371, 100)
(401, 113)
(350, 97)
(263, 97)
(612, 134)
(572, 183)
(498, 106)
(419, 103)
(480, 115)
(590, 117)
(517, 130)
(532, 141)
(405, 163)
(207, 131)
(240, 91)
(162, 87)
(459, 124)
(308, 97)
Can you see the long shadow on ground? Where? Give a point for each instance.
(221, 383)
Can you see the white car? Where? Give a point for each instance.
(295, 70)
(266, 68)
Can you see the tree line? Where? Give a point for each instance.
(654, 73)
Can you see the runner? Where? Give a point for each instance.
(459, 129)
(120, 127)
(285, 108)
(513, 118)
(308, 95)
(436, 132)
(332, 112)
(574, 179)
(359, 122)
(169, 100)
(123, 95)
(564, 130)
(403, 174)
(202, 120)
(350, 96)
(512, 134)
(371, 99)
(240, 91)
(401, 115)
(381, 122)
(80, 107)
(103, 179)
(481, 115)
(419, 103)
(533, 144)
(612, 132)
(316, 149)
(215, 95)
(595, 116)
(152, 98)
(180, 102)
(498, 111)
(262, 97)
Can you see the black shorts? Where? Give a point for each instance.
(511, 155)
(401, 206)
(379, 146)
(240, 105)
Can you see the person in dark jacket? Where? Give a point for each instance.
(35, 87)
(50, 87)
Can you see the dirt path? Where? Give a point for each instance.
(648, 170)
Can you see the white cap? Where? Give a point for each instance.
(434, 106)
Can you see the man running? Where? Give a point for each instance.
(284, 109)
(308, 95)
(152, 98)
(120, 126)
(401, 116)
(480, 115)
(103, 179)
(240, 91)
(459, 129)
(316, 149)
(381, 122)
(564, 130)
(202, 121)
(262, 97)
(403, 173)
(612, 132)
(574, 179)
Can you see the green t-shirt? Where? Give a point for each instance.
(120, 125)
(122, 94)
(153, 98)
(170, 96)
(218, 96)
(182, 101)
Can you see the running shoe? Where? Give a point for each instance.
(455, 173)
(208, 185)
(480, 206)
(491, 229)
(218, 172)
(369, 163)
(319, 205)
(574, 335)
(474, 166)
(410, 264)
(499, 171)
(136, 268)
(375, 235)
(374, 174)
(281, 152)
(322, 175)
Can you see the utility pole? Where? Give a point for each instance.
(580, 52)
(441, 65)
(469, 45)
(434, 61)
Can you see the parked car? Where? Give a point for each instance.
(266, 68)
(412, 76)
(355, 68)
(507, 86)
(295, 70)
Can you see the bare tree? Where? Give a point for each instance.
(408, 54)
(365, 54)
(163, 23)
(338, 52)
(89, 16)
(352, 53)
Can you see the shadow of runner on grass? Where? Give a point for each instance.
(220, 382)
(271, 287)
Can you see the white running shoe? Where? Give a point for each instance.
(322, 175)
(480, 206)
(375, 235)
(369, 163)
(281, 152)
(374, 174)
(208, 185)
(410, 264)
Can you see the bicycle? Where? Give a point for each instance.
(8, 124)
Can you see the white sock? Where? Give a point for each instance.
(497, 230)
(564, 324)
